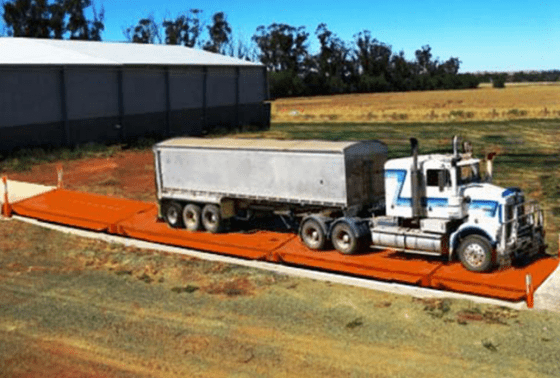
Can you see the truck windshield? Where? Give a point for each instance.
(469, 173)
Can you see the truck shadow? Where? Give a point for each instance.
(525, 261)
(272, 223)
(402, 256)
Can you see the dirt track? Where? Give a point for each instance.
(71, 307)
(127, 174)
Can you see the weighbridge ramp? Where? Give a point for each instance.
(137, 219)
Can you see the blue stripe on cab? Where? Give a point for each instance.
(435, 202)
(510, 191)
(400, 175)
(489, 207)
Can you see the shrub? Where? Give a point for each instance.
(517, 112)
(286, 84)
(499, 81)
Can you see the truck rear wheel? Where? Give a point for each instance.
(192, 217)
(312, 235)
(475, 253)
(344, 238)
(172, 214)
(212, 218)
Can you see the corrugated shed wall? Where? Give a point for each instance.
(78, 104)
(252, 85)
(91, 92)
(29, 96)
(143, 90)
(186, 87)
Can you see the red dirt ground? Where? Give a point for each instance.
(127, 174)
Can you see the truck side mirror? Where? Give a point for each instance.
(441, 180)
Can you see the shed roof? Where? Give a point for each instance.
(270, 144)
(38, 51)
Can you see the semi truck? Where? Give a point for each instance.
(348, 195)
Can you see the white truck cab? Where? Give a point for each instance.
(439, 204)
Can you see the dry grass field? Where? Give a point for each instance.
(527, 101)
(73, 307)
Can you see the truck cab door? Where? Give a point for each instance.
(438, 190)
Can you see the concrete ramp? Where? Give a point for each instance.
(18, 190)
(547, 297)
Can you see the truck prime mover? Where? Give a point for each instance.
(350, 195)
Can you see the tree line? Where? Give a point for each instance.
(361, 65)
(520, 76)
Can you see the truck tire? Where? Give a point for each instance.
(192, 217)
(345, 239)
(212, 218)
(475, 253)
(312, 235)
(172, 214)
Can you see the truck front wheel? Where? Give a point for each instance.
(172, 214)
(475, 253)
(345, 239)
(212, 218)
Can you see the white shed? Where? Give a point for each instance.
(62, 92)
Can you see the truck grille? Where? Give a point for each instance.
(520, 222)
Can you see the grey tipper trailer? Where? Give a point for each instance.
(201, 182)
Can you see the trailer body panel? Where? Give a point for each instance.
(333, 174)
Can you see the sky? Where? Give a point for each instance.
(486, 35)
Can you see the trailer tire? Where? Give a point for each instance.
(172, 214)
(312, 234)
(192, 216)
(475, 253)
(345, 239)
(212, 218)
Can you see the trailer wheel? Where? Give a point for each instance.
(475, 253)
(344, 238)
(192, 217)
(172, 214)
(212, 218)
(312, 235)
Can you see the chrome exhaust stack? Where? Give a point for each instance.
(457, 205)
(456, 147)
(456, 158)
(414, 152)
(414, 180)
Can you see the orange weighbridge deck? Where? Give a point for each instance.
(138, 220)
